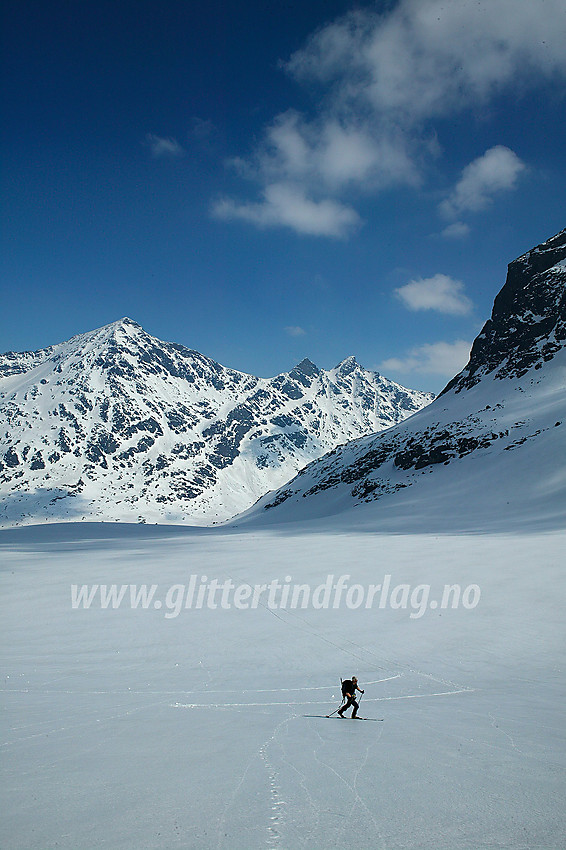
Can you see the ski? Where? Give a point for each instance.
(375, 719)
(335, 717)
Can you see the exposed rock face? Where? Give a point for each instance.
(528, 322)
(115, 424)
(508, 402)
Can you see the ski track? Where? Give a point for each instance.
(456, 689)
(494, 723)
(275, 812)
(83, 724)
(40, 689)
(232, 800)
(314, 702)
(39, 723)
(277, 819)
(353, 787)
(277, 807)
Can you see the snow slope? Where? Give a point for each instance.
(115, 424)
(126, 729)
(488, 452)
(161, 727)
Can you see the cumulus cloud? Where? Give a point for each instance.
(438, 358)
(295, 330)
(381, 82)
(456, 230)
(425, 58)
(440, 293)
(496, 171)
(286, 205)
(201, 128)
(328, 155)
(163, 147)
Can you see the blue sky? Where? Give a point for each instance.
(265, 181)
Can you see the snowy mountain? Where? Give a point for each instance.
(115, 424)
(490, 449)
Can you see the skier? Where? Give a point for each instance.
(349, 688)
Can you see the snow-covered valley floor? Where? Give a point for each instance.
(132, 729)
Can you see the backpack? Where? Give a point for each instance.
(348, 687)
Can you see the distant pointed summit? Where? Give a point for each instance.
(126, 322)
(305, 368)
(346, 366)
(489, 449)
(528, 321)
(117, 424)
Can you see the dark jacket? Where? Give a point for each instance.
(348, 687)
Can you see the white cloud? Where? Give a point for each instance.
(285, 205)
(496, 171)
(163, 147)
(438, 358)
(329, 155)
(295, 330)
(456, 230)
(381, 81)
(201, 128)
(425, 58)
(440, 293)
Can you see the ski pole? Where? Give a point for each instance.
(341, 704)
(336, 709)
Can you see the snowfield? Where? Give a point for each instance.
(115, 424)
(132, 729)
(167, 687)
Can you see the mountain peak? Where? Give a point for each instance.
(306, 368)
(545, 255)
(489, 456)
(125, 324)
(115, 423)
(528, 321)
(349, 364)
(125, 320)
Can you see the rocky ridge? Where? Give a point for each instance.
(504, 411)
(116, 424)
